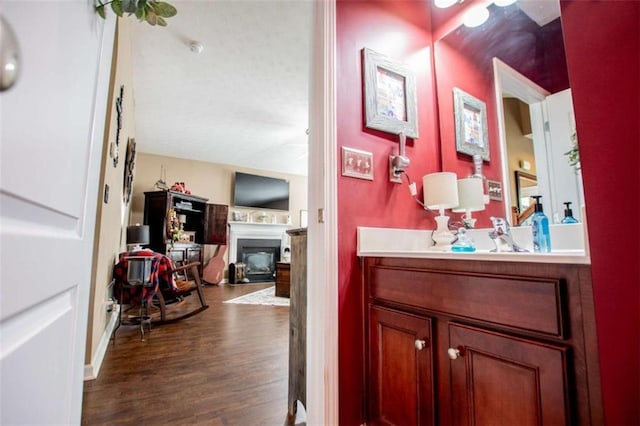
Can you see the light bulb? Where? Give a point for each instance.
(476, 16)
(503, 3)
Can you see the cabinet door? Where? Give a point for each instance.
(215, 224)
(400, 368)
(504, 380)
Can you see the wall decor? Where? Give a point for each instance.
(113, 147)
(129, 165)
(390, 95)
(494, 189)
(471, 124)
(357, 163)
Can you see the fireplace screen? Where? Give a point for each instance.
(258, 263)
(260, 257)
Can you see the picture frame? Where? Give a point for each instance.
(390, 101)
(494, 189)
(470, 124)
(187, 237)
(357, 163)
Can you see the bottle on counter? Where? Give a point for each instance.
(568, 214)
(540, 228)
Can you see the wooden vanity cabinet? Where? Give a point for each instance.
(504, 343)
(401, 370)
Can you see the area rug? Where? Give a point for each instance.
(266, 296)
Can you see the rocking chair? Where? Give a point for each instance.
(171, 301)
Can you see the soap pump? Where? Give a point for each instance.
(568, 214)
(540, 228)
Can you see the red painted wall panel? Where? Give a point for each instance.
(400, 30)
(602, 43)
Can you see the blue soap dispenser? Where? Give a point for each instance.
(540, 228)
(568, 214)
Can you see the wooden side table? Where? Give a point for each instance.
(283, 279)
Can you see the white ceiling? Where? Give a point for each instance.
(243, 100)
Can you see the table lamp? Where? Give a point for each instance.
(471, 199)
(440, 193)
(137, 236)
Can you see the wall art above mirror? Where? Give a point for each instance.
(527, 38)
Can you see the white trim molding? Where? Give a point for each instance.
(322, 269)
(257, 231)
(92, 370)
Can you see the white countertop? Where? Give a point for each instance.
(567, 243)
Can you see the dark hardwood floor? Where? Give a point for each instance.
(225, 366)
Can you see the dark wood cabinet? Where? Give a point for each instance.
(500, 379)
(297, 324)
(283, 279)
(480, 343)
(400, 370)
(207, 222)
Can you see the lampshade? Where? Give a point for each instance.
(138, 234)
(440, 190)
(470, 195)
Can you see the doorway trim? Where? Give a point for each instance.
(509, 81)
(322, 255)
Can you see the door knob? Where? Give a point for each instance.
(9, 56)
(454, 353)
(419, 344)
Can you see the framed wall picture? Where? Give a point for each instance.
(390, 95)
(471, 124)
(357, 163)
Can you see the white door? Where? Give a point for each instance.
(51, 130)
(566, 185)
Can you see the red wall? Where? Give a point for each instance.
(400, 30)
(602, 48)
(476, 79)
(602, 43)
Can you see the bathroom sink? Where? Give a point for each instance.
(567, 245)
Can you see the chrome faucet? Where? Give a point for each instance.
(501, 236)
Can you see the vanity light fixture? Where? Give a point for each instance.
(443, 4)
(476, 16)
(471, 199)
(440, 193)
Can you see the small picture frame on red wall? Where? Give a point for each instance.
(389, 95)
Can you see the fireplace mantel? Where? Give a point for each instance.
(264, 231)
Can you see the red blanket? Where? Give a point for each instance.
(160, 278)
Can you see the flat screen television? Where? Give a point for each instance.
(260, 192)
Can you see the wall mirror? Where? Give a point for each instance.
(515, 63)
(526, 186)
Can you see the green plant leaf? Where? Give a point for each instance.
(161, 21)
(152, 18)
(116, 6)
(101, 12)
(164, 9)
(129, 6)
(141, 14)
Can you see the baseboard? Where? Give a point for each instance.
(91, 371)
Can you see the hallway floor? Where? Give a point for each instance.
(225, 366)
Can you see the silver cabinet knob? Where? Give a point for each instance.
(9, 56)
(453, 353)
(419, 344)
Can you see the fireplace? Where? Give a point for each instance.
(261, 244)
(259, 257)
